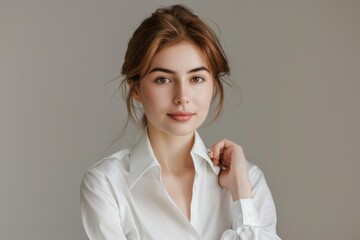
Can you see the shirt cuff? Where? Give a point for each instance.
(244, 213)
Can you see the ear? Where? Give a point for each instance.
(135, 91)
(136, 95)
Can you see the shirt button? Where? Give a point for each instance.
(250, 215)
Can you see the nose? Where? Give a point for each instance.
(181, 94)
(182, 100)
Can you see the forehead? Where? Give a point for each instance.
(179, 57)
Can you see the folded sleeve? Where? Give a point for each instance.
(99, 209)
(254, 219)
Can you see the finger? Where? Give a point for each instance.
(221, 152)
(223, 177)
(216, 150)
(214, 160)
(224, 164)
(212, 155)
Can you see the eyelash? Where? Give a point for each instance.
(196, 79)
(158, 80)
(201, 79)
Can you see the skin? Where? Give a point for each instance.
(176, 95)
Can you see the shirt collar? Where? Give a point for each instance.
(200, 149)
(142, 157)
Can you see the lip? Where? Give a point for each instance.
(181, 116)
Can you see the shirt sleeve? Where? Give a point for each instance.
(99, 210)
(254, 219)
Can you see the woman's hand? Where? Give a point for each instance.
(234, 174)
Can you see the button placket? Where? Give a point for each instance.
(194, 200)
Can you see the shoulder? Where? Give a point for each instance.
(256, 175)
(110, 168)
(254, 169)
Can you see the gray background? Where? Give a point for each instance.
(297, 64)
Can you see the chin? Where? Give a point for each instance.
(181, 131)
(172, 128)
(178, 130)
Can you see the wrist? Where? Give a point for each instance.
(241, 189)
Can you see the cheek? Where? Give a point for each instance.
(151, 98)
(205, 97)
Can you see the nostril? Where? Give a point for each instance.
(181, 100)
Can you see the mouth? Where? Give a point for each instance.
(181, 116)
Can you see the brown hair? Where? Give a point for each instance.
(165, 27)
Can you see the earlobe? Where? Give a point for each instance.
(136, 93)
(136, 96)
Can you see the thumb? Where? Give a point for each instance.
(223, 178)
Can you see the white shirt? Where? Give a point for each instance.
(123, 197)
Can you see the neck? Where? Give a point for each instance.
(172, 152)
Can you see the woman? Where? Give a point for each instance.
(169, 186)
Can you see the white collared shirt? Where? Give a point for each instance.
(123, 197)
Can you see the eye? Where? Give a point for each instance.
(162, 80)
(197, 79)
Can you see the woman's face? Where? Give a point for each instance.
(176, 93)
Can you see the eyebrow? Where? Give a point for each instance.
(159, 69)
